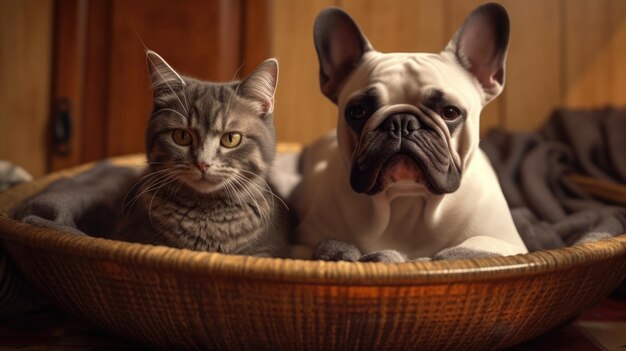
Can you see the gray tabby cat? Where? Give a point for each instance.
(209, 148)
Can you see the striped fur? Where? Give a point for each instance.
(230, 208)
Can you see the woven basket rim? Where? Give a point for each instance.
(219, 265)
(15, 233)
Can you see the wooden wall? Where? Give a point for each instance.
(562, 53)
(25, 61)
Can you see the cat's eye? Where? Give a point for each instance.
(231, 140)
(450, 112)
(356, 112)
(181, 137)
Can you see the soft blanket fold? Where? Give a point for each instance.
(549, 210)
(89, 203)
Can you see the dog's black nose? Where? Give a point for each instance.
(401, 124)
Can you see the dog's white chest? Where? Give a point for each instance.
(404, 230)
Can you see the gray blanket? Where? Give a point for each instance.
(549, 210)
(90, 202)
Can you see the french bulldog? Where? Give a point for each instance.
(403, 178)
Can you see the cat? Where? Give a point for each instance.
(209, 148)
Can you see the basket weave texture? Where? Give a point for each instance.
(179, 299)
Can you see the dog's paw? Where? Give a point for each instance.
(335, 250)
(383, 256)
(460, 252)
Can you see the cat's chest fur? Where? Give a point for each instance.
(214, 222)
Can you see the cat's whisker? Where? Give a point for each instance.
(249, 182)
(179, 185)
(230, 98)
(171, 192)
(238, 70)
(242, 188)
(154, 194)
(250, 191)
(251, 186)
(139, 181)
(268, 188)
(170, 110)
(228, 194)
(157, 71)
(186, 104)
(231, 192)
(149, 182)
(150, 174)
(158, 184)
(237, 196)
(148, 186)
(234, 195)
(259, 188)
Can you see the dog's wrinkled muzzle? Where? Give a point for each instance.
(404, 146)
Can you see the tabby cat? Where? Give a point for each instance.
(209, 148)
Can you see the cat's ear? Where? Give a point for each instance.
(260, 85)
(164, 79)
(480, 46)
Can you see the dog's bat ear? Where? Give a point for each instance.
(339, 44)
(480, 46)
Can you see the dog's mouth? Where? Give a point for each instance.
(403, 148)
(399, 167)
(383, 164)
(388, 169)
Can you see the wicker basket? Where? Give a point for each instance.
(179, 299)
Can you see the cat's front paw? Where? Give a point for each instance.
(335, 250)
(383, 256)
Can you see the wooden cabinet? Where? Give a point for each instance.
(100, 66)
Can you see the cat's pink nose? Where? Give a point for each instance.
(202, 167)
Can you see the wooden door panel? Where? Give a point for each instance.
(25, 63)
(67, 85)
(96, 81)
(100, 67)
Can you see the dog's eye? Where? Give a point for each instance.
(450, 112)
(356, 112)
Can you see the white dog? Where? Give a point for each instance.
(403, 177)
